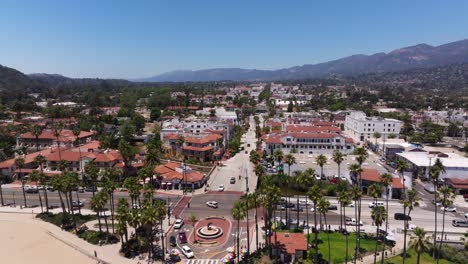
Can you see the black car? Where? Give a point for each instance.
(295, 208)
(90, 189)
(31, 190)
(172, 241)
(332, 207)
(401, 216)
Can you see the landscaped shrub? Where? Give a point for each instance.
(133, 248)
(65, 221)
(94, 237)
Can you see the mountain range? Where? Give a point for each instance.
(418, 56)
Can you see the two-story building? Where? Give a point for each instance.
(47, 139)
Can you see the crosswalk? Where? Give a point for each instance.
(201, 261)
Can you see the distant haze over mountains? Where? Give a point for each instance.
(419, 56)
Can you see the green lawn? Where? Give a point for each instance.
(338, 246)
(411, 259)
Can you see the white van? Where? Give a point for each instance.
(374, 204)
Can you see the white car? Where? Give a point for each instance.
(374, 204)
(351, 204)
(187, 252)
(212, 204)
(449, 209)
(317, 177)
(178, 223)
(343, 178)
(304, 202)
(353, 222)
(221, 188)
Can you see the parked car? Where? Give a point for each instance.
(401, 216)
(353, 222)
(332, 207)
(187, 252)
(449, 208)
(212, 204)
(232, 180)
(90, 189)
(459, 223)
(172, 241)
(295, 208)
(30, 189)
(304, 202)
(182, 238)
(438, 203)
(221, 188)
(178, 223)
(317, 177)
(374, 204)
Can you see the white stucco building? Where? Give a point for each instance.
(361, 128)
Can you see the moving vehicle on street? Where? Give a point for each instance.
(459, 223)
(77, 204)
(374, 204)
(221, 188)
(353, 222)
(401, 216)
(450, 208)
(172, 241)
(212, 204)
(187, 252)
(30, 189)
(179, 223)
(232, 180)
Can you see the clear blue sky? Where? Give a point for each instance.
(132, 39)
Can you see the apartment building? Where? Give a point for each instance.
(361, 128)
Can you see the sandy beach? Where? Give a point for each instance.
(24, 240)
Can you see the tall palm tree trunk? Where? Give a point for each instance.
(46, 199)
(386, 224)
(357, 233)
(1, 195)
(405, 231)
(248, 229)
(316, 233)
(376, 242)
(40, 201)
(346, 232)
(62, 204)
(78, 201)
(308, 228)
(24, 195)
(72, 210)
(442, 235)
(107, 228)
(434, 252)
(99, 220)
(256, 224)
(237, 239)
(328, 237)
(112, 210)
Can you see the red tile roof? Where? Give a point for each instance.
(273, 139)
(65, 135)
(171, 136)
(312, 135)
(370, 175)
(169, 173)
(203, 140)
(290, 242)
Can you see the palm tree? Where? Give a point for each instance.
(411, 200)
(434, 174)
(56, 182)
(2, 181)
(356, 195)
(122, 216)
(76, 133)
(344, 201)
(374, 191)
(278, 154)
(149, 218)
(92, 171)
(271, 195)
(323, 206)
(315, 193)
(97, 204)
(134, 220)
(255, 200)
(35, 176)
(338, 159)
(386, 180)
(290, 160)
(238, 213)
(19, 162)
(36, 131)
(193, 219)
(378, 214)
(40, 160)
(447, 198)
(57, 131)
(321, 161)
(247, 205)
(419, 242)
(401, 167)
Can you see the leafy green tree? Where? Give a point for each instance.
(127, 130)
(127, 152)
(155, 114)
